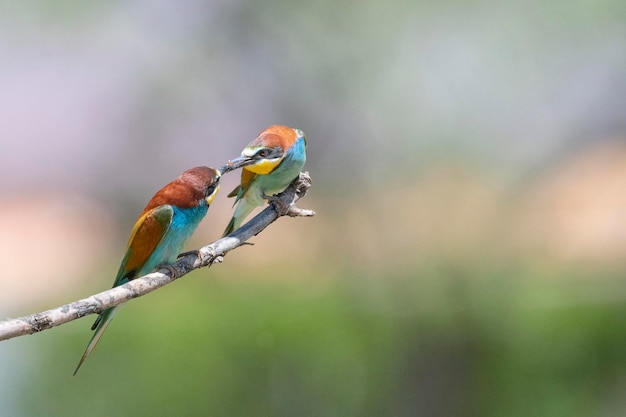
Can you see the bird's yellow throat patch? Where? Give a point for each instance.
(210, 198)
(264, 166)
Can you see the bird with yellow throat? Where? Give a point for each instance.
(270, 163)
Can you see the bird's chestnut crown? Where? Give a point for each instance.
(189, 189)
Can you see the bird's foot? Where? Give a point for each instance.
(279, 205)
(286, 209)
(171, 269)
(217, 260)
(209, 257)
(194, 252)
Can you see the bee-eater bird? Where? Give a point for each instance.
(270, 163)
(167, 222)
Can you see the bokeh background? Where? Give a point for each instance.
(469, 167)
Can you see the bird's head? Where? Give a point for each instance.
(189, 189)
(267, 150)
(204, 180)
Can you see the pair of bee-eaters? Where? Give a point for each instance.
(269, 164)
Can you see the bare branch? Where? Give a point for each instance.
(281, 205)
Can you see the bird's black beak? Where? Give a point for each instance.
(240, 161)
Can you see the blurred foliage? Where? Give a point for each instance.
(449, 339)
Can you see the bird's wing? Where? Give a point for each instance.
(148, 232)
(234, 192)
(246, 179)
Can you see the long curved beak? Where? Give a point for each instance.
(240, 161)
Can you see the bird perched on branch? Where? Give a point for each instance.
(167, 222)
(270, 163)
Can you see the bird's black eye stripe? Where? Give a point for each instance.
(269, 153)
(209, 190)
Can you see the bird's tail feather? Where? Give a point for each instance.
(230, 227)
(243, 209)
(101, 324)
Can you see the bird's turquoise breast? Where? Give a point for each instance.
(184, 223)
(286, 171)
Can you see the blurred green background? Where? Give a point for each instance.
(469, 165)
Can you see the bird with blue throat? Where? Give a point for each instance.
(164, 226)
(270, 163)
